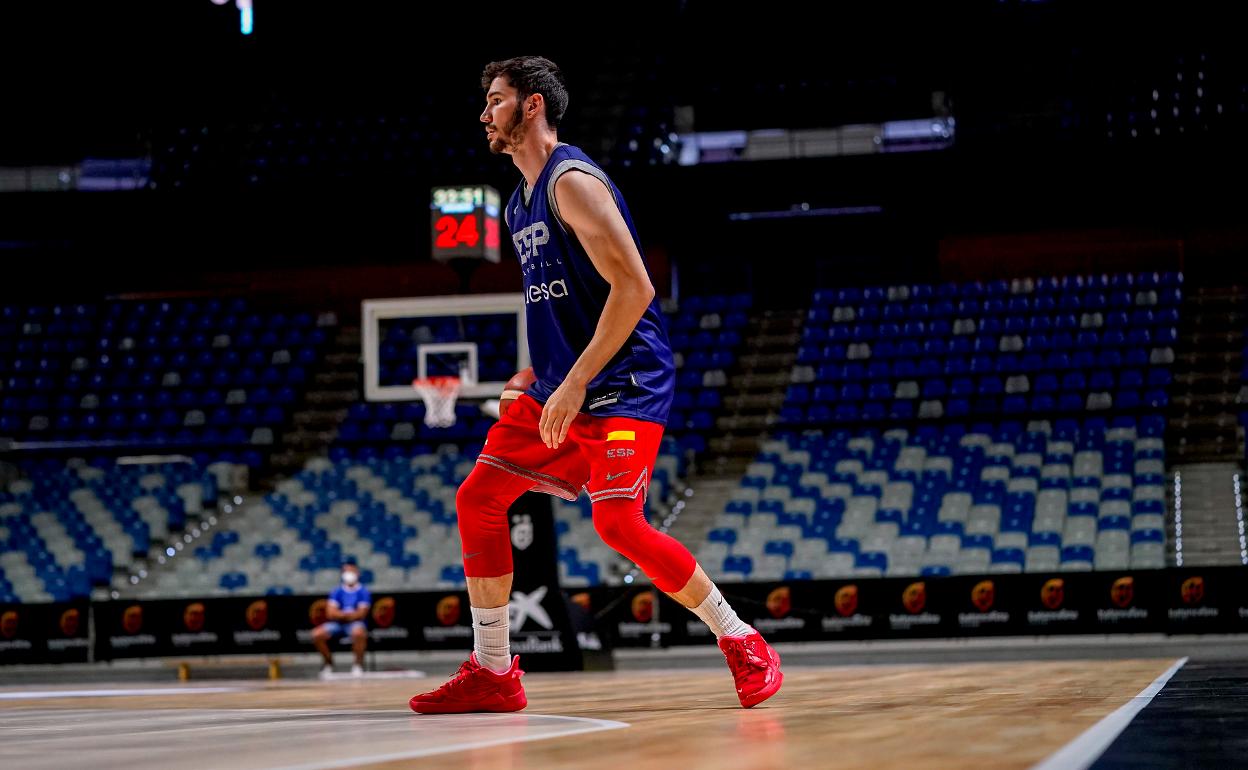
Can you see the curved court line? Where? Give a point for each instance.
(1091, 744)
(591, 726)
(39, 694)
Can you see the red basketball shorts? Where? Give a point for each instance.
(610, 457)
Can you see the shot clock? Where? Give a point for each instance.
(465, 222)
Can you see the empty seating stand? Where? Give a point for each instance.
(982, 350)
(950, 499)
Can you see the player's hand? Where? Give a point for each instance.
(560, 410)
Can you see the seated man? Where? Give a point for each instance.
(347, 608)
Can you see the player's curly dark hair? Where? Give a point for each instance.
(532, 75)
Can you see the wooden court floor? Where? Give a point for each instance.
(990, 715)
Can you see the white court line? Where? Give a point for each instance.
(36, 694)
(591, 726)
(1092, 743)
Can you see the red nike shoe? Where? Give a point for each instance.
(755, 667)
(475, 688)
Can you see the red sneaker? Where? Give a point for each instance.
(755, 667)
(475, 688)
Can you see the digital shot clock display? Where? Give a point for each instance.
(465, 222)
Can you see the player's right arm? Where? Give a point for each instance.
(591, 213)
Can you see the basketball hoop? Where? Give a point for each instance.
(439, 394)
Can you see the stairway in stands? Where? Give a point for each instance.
(755, 392)
(334, 385)
(1205, 441)
(752, 400)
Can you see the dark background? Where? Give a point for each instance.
(312, 143)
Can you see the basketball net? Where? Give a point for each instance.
(439, 394)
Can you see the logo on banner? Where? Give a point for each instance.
(846, 600)
(779, 602)
(524, 606)
(448, 610)
(8, 624)
(257, 615)
(317, 612)
(1053, 593)
(70, 620)
(132, 619)
(521, 531)
(1122, 592)
(193, 617)
(1193, 590)
(914, 598)
(383, 612)
(643, 607)
(1053, 599)
(983, 595)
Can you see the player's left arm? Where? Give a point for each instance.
(589, 210)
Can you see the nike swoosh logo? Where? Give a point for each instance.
(491, 623)
(616, 476)
(470, 555)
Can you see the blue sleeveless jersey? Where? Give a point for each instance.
(564, 296)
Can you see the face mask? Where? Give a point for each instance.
(349, 577)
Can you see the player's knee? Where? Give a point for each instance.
(470, 508)
(358, 633)
(468, 499)
(319, 634)
(477, 499)
(619, 523)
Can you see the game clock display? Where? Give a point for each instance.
(465, 222)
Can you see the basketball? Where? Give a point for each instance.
(518, 384)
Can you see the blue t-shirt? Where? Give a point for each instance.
(350, 600)
(564, 295)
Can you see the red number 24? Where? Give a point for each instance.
(453, 233)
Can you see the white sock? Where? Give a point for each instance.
(717, 613)
(491, 638)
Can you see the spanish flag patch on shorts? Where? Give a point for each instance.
(622, 435)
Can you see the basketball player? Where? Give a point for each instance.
(595, 415)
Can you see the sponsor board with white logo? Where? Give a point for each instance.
(897, 621)
(186, 640)
(1189, 613)
(534, 642)
(393, 632)
(978, 619)
(1116, 616)
(57, 645)
(780, 624)
(634, 630)
(840, 624)
(254, 637)
(442, 633)
(1046, 617)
